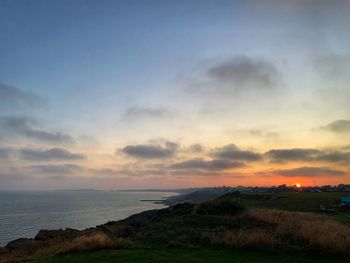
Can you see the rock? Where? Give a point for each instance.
(117, 229)
(91, 231)
(60, 234)
(19, 244)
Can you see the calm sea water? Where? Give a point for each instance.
(23, 214)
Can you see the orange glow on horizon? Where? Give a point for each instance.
(298, 185)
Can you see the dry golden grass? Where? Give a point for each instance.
(290, 230)
(52, 248)
(319, 233)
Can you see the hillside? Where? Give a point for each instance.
(231, 223)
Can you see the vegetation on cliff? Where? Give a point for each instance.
(227, 222)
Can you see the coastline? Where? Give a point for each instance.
(75, 217)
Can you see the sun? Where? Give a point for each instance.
(298, 185)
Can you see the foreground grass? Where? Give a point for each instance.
(181, 255)
(259, 227)
(303, 202)
(295, 201)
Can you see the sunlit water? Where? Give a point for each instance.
(23, 214)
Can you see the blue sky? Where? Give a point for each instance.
(262, 75)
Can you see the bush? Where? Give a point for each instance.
(42, 249)
(221, 207)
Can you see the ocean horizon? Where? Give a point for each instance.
(24, 213)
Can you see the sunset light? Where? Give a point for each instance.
(186, 130)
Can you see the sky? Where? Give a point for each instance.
(173, 94)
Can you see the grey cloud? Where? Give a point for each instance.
(128, 172)
(310, 172)
(207, 173)
(206, 165)
(56, 169)
(196, 148)
(334, 156)
(14, 99)
(151, 151)
(143, 112)
(295, 154)
(232, 152)
(242, 72)
(25, 126)
(310, 155)
(54, 154)
(338, 126)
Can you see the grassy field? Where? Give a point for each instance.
(181, 255)
(256, 229)
(305, 202)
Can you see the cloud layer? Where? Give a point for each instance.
(310, 172)
(56, 168)
(307, 155)
(338, 126)
(211, 165)
(151, 151)
(243, 72)
(144, 112)
(232, 152)
(54, 154)
(14, 99)
(26, 127)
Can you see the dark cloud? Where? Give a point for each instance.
(232, 152)
(142, 112)
(196, 148)
(338, 126)
(295, 154)
(242, 72)
(334, 156)
(151, 151)
(310, 172)
(54, 154)
(56, 168)
(25, 126)
(309, 155)
(15, 99)
(207, 165)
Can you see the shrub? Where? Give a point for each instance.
(258, 239)
(219, 207)
(55, 247)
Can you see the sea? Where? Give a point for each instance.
(23, 214)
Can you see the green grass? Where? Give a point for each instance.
(189, 232)
(181, 255)
(305, 202)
